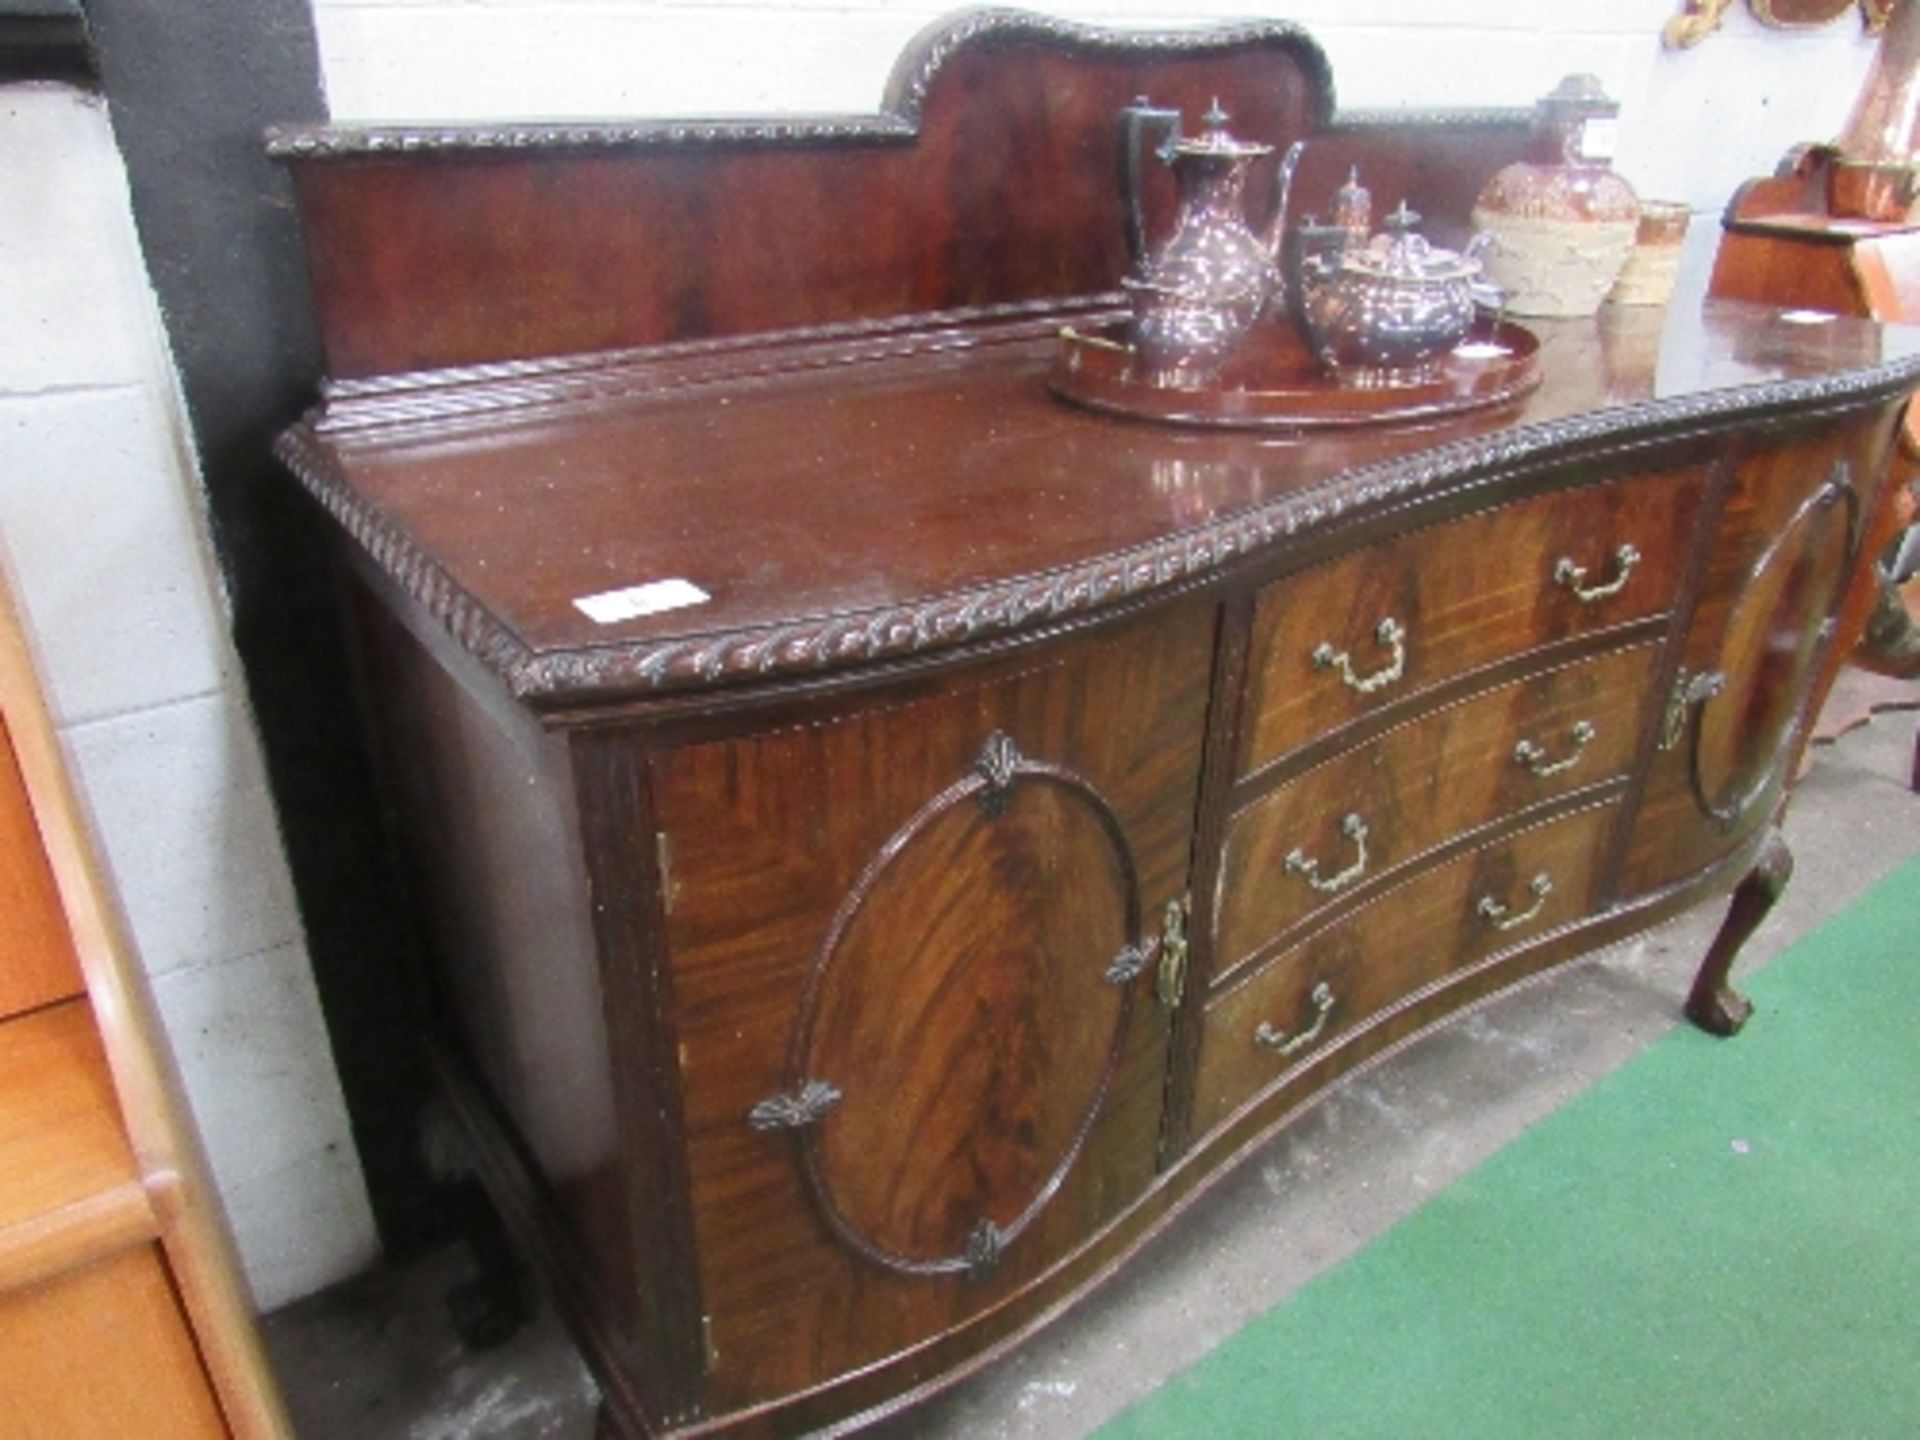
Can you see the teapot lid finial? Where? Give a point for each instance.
(1215, 140)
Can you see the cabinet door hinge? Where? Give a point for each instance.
(1172, 980)
(1689, 689)
(663, 852)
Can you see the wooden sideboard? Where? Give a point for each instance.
(1019, 813)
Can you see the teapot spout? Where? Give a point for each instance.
(1275, 239)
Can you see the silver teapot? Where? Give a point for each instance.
(1387, 312)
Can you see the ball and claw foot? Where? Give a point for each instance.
(1720, 1011)
(487, 1307)
(493, 1302)
(1714, 1005)
(486, 1311)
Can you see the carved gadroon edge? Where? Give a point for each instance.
(551, 679)
(792, 1110)
(899, 120)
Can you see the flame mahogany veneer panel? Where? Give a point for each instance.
(1777, 555)
(989, 178)
(961, 1009)
(1463, 595)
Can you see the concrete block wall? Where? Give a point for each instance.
(103, 529)
(100, 508)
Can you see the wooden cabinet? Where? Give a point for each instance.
(121, 1311)
(955, 902)
(887, 838)
(1789, 540)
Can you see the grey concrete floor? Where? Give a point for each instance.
(377, 1360)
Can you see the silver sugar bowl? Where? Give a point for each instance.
(1385, 313)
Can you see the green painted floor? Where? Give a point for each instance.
(1720, 1239)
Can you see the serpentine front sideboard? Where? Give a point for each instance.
(887, 837)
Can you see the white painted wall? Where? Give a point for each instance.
(1695, 122)
(102, 524)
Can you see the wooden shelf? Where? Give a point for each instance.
(61, 1141)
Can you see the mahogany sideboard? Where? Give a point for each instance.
(886, 837)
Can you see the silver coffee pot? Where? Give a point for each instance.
(1197, 294)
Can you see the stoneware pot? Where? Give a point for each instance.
(1562, 222)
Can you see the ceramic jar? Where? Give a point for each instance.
(1653, 264)
(1562, 222)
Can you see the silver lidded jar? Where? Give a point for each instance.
(1388, 312)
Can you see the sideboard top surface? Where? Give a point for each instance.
(866, 510)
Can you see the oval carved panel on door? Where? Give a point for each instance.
(1773, 636)
(978, 981)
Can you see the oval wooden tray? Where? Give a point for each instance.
(1273, 383)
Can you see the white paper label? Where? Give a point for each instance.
(1807, 317)
(610, 607)
(1599, 138)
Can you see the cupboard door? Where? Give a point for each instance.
(912, 948)
(1785, 549)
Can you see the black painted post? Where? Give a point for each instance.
(190, 89)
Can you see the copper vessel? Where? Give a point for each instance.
(1874, 176)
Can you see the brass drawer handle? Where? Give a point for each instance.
(1278, 1041)
(1297, 863)
(1574, 576)
(1388, 632)
(1535, 759)
(1501, 918)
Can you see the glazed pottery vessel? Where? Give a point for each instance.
(1653, 264)
(1562, 222)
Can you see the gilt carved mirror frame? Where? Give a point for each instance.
(1700, 18)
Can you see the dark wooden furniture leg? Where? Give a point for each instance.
(1891, 646)
(1714, 1005)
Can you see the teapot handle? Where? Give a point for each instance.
(1134, 120)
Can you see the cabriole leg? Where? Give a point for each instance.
(1714, 1005)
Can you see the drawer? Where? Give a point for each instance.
(1315, 1001)
(1360, 815)
(1391, 619)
